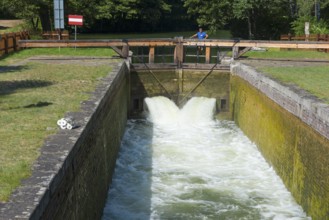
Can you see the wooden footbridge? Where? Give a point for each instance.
(177, 47)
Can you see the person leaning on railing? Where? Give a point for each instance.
(200, 35)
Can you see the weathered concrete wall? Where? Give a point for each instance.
(279, 120)
(178, 86)
(71, 177)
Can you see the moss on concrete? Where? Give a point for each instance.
(299, 154)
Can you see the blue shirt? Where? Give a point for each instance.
(201, 35)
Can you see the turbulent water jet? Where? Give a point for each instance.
(185, 165)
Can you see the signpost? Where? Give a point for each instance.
(76, 20)
(59, 16)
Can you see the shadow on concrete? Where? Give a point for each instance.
(8, 87)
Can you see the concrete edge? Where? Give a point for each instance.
(300, 103)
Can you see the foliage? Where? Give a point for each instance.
(316, 27)
(259, 18)
(213, 14)
(253, 19)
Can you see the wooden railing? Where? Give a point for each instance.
(56, 35)
(9, 41)
(179, 44)
(311, 37)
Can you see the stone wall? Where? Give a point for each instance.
(290, 127)
(71, 177)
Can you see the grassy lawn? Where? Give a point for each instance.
(26, 53)
(275, 53)
(32, 98)
(314, 79)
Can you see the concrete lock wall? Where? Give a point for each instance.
(290, 130)
(71, 177)
(179, 86)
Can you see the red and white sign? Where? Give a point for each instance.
(76, 20)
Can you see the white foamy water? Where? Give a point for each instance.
(181, 164)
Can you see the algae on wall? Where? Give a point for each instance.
(299, 154)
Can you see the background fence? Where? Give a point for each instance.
(9, 41)
(311, 37)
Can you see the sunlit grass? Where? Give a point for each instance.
(23, 54)
(274, 53)
(314, 79)
(32, 98)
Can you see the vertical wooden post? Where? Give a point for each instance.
(15, 41)
(179, 51)
(208, 54)
(1, 47)
(151, 54)
(326, 38)
(6, 43)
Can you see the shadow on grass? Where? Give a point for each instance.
(8, 69)
(8, 87)
(38, 105)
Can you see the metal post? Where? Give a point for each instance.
(75, 31)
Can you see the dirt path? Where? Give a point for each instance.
(10, 23)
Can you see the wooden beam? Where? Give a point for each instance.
(151, 54)
(118, 51)
(179, 51)
(208, 54)
(173, 42)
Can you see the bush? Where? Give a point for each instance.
(316, 27)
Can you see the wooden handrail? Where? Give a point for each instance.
(171, 42)
(178, 43)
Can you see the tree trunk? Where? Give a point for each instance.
(45, 18)
(35, 24)
(249, 28)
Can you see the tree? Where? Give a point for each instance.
(311, 11)
(265, 18)
(143, 14)
(213, 14)
(261, 19)
(32, 10)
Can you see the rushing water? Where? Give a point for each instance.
(182, 164)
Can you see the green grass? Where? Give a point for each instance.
(23, 54)
(284, 54)
(32, 98)
(314, 79)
